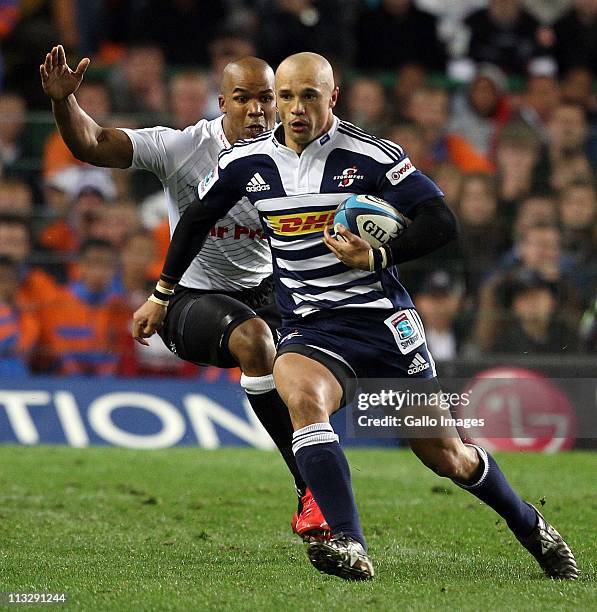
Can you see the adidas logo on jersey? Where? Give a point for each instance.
(257, 183)
(418, 364)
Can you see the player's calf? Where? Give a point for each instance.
(273, 415)
(489, 484)
(476, 471)
(252, 345)
(311, 392)
(447, 457)
(325, 469)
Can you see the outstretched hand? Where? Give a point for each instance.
(352, 251)
(57, 79)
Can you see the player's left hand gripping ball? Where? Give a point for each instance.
(349, 249)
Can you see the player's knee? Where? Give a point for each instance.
(252, 345)
(306, 405)
(308, 388)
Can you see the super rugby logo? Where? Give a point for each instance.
(403, 326)
(209, 179)
(406, 331)
(300, 223)
(348, 176)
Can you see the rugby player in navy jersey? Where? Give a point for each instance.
(339, 300)
(218, 314)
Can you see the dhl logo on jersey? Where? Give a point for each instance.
(295, 224)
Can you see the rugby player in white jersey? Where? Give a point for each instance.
(218, 314)
(345, 313)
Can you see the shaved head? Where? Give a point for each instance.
(247, 98)
(306, 97)
(244, 70)
(309, 66)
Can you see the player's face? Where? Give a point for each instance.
(305, 107)
(250, 108)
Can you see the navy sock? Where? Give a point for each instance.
(490, 486)
(273, 415)
(325, 469)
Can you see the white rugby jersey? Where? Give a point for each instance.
(296, 197)
(235, 254)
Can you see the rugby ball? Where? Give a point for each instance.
(370, 218)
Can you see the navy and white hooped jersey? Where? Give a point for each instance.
(235, 255)
(296, 197)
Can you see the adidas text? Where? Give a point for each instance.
(418, 364)
(257, 183)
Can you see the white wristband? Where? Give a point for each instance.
(155, 300)
(371, 261)
(163, 289)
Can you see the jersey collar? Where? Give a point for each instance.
(317, 144)
(221, 136)
(329, 135)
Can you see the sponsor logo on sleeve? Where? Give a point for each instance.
(400, 171)
(208, 180)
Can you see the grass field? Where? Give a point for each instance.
(187, 529)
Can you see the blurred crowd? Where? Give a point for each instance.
(494, 99)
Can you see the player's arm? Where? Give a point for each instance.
(432, 226)
(417, 197)
(87, 140)
(188, 239)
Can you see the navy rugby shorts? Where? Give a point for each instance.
(359, 344)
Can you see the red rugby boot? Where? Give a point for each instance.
(309, 522)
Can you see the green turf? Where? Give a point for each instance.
(187, 529)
